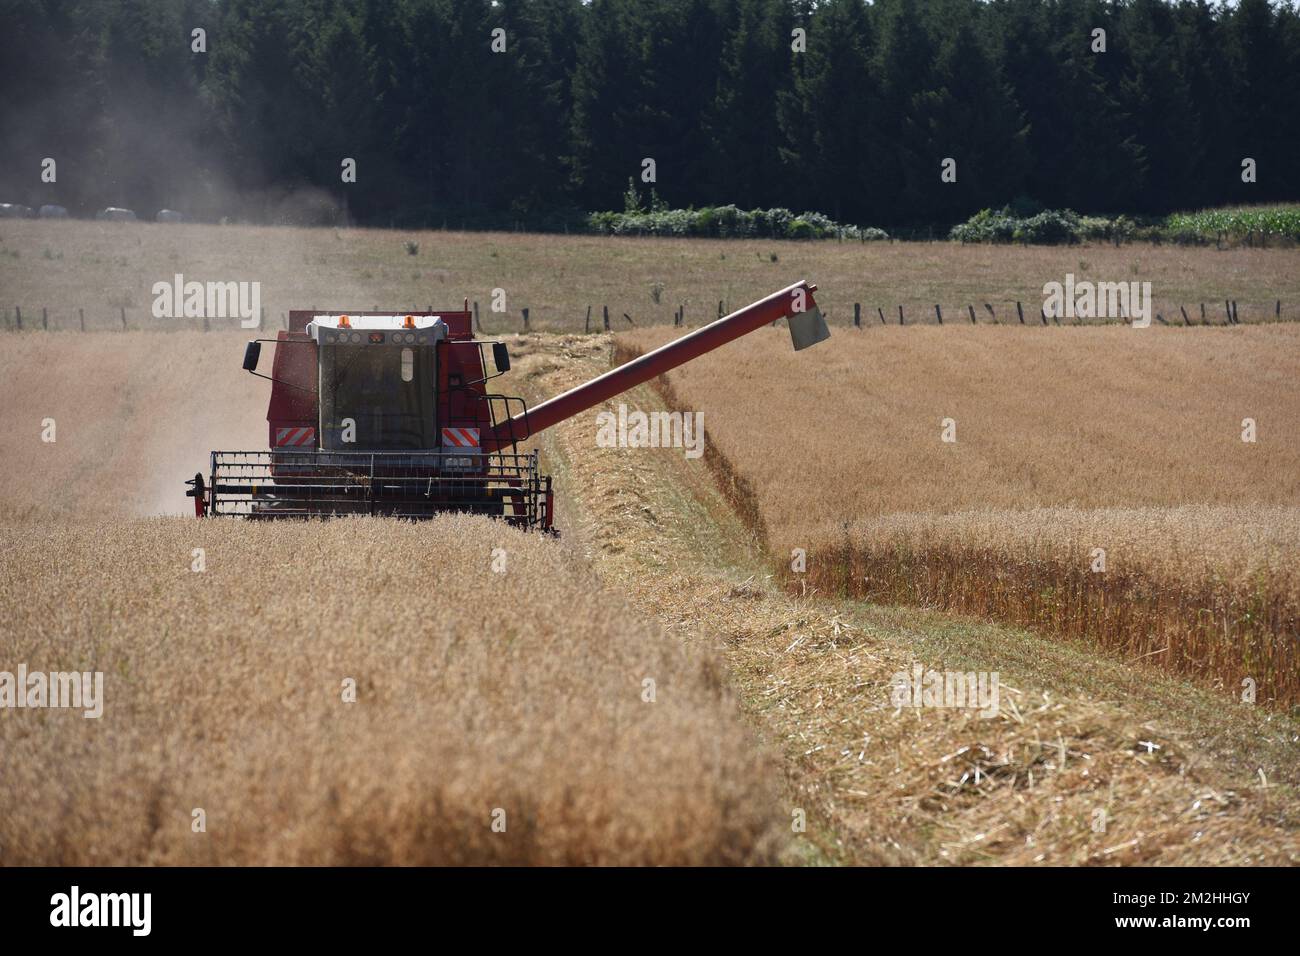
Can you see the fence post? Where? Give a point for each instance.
(719, 308)
(857, 315)
(1203, 321)
(971, 309)
(629, 319)
(1235, 320)
(1277, 309)
(525, 311)
(1186, 320)
(205, 322)
(882, 314)
(81, 314)
(605, 316)
(45, 318)
(18, 313)
(938, 314)
(587, 325)
(1020, 312)
(262, 320)
(900, 315)
(477, 324)
(1043, 314)
(1227, 311)
(992, 314)
(123, 318)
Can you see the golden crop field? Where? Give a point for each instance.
(476, 693)
(1065, 443)
(522, 691)
(103, 268)
(476, 690)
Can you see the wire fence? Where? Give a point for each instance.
(605, 318)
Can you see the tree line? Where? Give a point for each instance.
(497, 112)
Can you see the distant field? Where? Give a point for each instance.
(103, 268)
(476, 693)
(1067, 440)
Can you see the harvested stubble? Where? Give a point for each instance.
(1068, 441)
(476, 690)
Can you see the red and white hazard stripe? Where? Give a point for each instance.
(295, 436)
(460, 437)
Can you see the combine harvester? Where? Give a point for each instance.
(381, 414)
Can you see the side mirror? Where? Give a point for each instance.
(252, 352)
(500, 356)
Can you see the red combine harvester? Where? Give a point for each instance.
(382, 414)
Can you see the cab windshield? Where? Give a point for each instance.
(379, 396)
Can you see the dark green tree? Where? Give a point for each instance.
(833, 158)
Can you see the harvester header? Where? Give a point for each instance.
(389, 414)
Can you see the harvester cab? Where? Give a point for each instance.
(391, 414)
(377, 381)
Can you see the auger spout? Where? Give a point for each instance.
(795, 302)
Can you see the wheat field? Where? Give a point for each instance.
(1068, 443)
(492, 670)
(223, 687)
(477, 691)
(523, 692)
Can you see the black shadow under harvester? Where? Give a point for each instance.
(389, 414)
